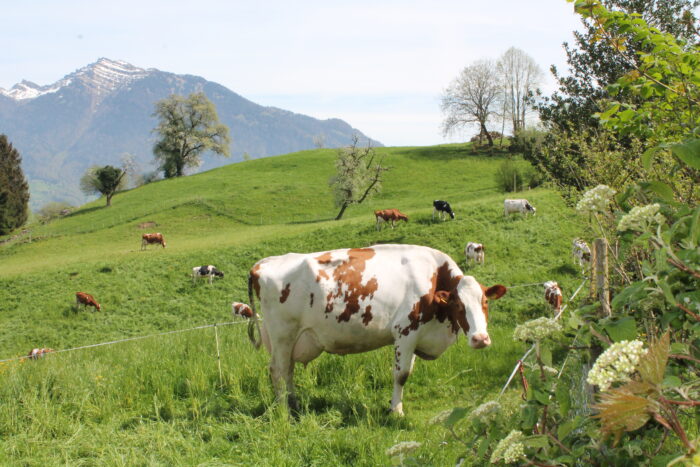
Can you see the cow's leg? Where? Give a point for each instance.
(378, 221)
(282, 372)
(434, 210)
(403, 365)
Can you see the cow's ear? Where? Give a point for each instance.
(495, 292)
(442, 297)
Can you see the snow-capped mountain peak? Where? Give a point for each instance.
(102, 77)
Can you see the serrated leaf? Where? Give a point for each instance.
(567, 427)
(536, 441)
(623, 329)
(688, 152)
(679, 348)
(659, 188)
(653, 365)
(457, 414)
(621, 411)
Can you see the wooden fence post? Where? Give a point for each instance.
(601, 275)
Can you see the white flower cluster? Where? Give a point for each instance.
(402, 448)
(616, 363)
(441, 417)
(640, 218)
(536, 329)
(510, 448)
(487, 412)
(596, 199)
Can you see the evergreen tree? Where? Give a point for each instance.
(14, 190)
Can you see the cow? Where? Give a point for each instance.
(442, 207)
(85, 299)
(581, 253)
(149, 238)
(206, 271)
(474, 251)
(552, 295)
(356, 300)
(386, 215)
(522, 206)
(35, 354)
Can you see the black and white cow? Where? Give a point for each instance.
(442, 207)
(206, 271)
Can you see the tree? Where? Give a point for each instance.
(105, 180)
(358, 175)
(14, 190)
(188, 126)
(471, 98)
(520, 75)
(593, 65)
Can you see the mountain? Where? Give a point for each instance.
(104, 110)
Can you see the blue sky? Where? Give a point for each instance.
(379, 65)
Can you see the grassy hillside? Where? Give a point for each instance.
(161, 400)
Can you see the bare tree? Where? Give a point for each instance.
(520, 76)
(471, 98)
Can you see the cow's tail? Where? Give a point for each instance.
(254, 322)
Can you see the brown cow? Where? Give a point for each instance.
(38, 353)
(148, 238)
(85, 299)
(552, 295)
(386, 215)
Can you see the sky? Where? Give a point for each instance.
(380, 65)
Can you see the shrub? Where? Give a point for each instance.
(53, 210)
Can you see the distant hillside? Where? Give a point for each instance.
(103, 110)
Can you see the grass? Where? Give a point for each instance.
(161, 401)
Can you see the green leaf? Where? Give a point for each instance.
(679, 348)
(536, 441)
(695, 229)
(457, 414)
(660, 188)
(623, 329)
(563, 398)
(609, 112)
(622, 411)
(567, 427)
(628, 294)
(546, 355)
(647, 156)
(653, 365)
(671, 381)
(688, 152)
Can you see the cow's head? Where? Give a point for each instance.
(241, 309)
(468, 305)
(531, 208)
(98, 306)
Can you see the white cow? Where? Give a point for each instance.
(582, 254)
(356, 300)
(209, 271)
(475, 252)
(522, 206)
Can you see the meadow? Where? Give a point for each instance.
(162, 400)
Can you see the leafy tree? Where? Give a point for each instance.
(188, 126)
(105, 180)
(14, 190)
(471, 99)
(358, 175)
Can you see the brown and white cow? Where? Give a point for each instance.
(552, 295)
(150, 238)
(356, 300)
(386, 215)
(35, 354)
(85, 299)
(474, 252)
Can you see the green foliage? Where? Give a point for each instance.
(14, 191)
(105, 180)
(515, 175)
(359, 174)
(187, 127)
(54, 210)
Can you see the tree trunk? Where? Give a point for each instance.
(109, 199)
(342, 210)
(488, 135)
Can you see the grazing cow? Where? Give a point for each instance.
(552, 295)
(386, 215)
(356, 300)
(149, 238)
(35, 354)
(474, 251)
(85, 299)
(442, 207)
(206, 271)
(522, 206)
(582, 254)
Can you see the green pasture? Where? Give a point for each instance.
(162, 401)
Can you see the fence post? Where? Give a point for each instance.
(218, 356)
(601, 274)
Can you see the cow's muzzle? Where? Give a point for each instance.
(479, 341)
